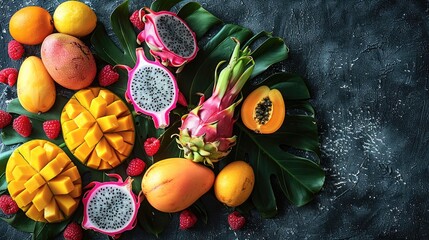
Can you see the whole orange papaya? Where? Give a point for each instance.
(174, 184)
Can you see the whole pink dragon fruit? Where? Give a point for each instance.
(168, 37)
(206, 131)
(151, 89)
(110, 207)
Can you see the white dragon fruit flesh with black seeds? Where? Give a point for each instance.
(169, 38)
(110, 207)
(152, 89)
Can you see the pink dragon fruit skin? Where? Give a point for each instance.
(152, 89)
(110, 214)
(206, 133)
(174, 48)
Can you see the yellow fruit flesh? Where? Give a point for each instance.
(35, 182)
(39, 172)
(52, 212)
(15, 187)
(67, 204)
(98, 128)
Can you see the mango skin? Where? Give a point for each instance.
(68, 60)
(234, 183)
(35, 87)
(173, 184)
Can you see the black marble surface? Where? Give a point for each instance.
(367, 66)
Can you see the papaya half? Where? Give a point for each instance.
(263, 110)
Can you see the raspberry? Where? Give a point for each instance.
(8, 205)
(15, 50)
(236, 220)
(107, 76)
(9, 76)
(73, 231)
(135, 167)
(187, 219)
(136, 20)
(52, 128)
(22, 125)
(151, 146)
(5, 118)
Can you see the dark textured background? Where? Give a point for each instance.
(367, 66)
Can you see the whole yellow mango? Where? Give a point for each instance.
(35, 87)
(68, 60)
(234, 183)
(174, 184)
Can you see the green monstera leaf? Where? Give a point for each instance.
(106, 48)
(291, 155)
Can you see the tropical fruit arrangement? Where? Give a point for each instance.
(111, 139)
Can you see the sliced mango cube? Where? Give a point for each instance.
(108, 123)
(113, 160)
(103, 149)
(84, 97)
(24, 198)
(66, 203)
(72, 110)
(72, 173)
(115, 140)
(93, 160)
(69, 126)
(125, 123)
(77, 191)
(116, 108)
(104, 165)
(15, 159)
(25, 149)
(98, 107)
(125, 149)
(15, 187)
(51, 150)
(35, 214)
(62, 159)
(34, 183)
(82, 152)
(23, 172)
(38, 158)
(128, 136)
(93, 135)
(107, 95)
(52, 212)
(75, 138)
(52, 169)
(61, 185)
(42, 197)
(84, 120)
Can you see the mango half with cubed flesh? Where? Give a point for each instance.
(98, 128)
(43, 181)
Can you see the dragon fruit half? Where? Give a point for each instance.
(110, 207)
(152, 89)
(168, 37)
(206, 131)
